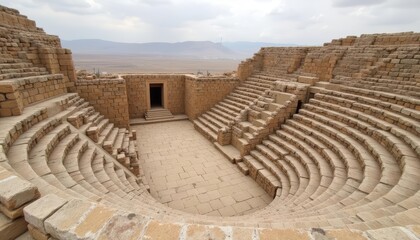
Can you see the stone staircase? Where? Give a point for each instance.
(224, 113)
(266, 114)
(120, 143)
(155, 114)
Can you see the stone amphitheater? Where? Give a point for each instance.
(303, 143)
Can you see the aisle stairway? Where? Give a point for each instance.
(226, 111)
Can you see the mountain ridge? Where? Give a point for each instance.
(193, 49)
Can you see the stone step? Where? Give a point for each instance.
(364, 121)
(104, 123)
(158, 114)
(209, 125)
(15, 65)
(262, 176)
(85, 166)
(213, 121)
(207, 132)
(228, 108)
(249, 94)
(258, 85)
(21, 75)
(254, 90)
(119, 140)
(260, 80)
(241, 97)
(23, 70)
(243, 168)
(231, 101)
(229, 115)
(367, 186)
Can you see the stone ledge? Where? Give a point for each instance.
(79, 219)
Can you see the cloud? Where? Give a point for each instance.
(78, 7)
(300, 21)
(356, 3)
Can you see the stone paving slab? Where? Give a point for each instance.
(186, 172)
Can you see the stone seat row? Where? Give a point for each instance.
(362, 190)
(376, 84)
(119, 142)
(58, 159)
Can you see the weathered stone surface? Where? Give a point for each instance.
(11, 229)
(243, 233)
(279, 234)
(14, 192)
(37, 212)
(164, 231)
(12, 213)
(94, 221)
(391, 233)
(37, 234)
(345, 235)
(204, 232)
(60, 224)
(128, 226)
(415, 229)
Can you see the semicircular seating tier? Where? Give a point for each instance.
(331, 133)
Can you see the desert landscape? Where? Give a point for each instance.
(152, 64)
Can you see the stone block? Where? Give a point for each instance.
(93, 133)
(7, 88)
(36, 234)
(37, 212)
(307, 80)
(158, 230)
(14, 192)
(12, 213)
(61, 224)
(11, 229)
(107, 146)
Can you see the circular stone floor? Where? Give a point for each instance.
(186, 172)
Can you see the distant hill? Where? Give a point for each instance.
(189, 49)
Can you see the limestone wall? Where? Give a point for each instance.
(203, 93)
(109, 97)
(139, 100)
(321, 61)
(283, 60)
(16, 95)
(250, 65)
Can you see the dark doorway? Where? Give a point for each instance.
(299, 106)
(156, 96)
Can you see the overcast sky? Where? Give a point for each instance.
(305, 22)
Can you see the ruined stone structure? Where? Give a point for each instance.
(331, 133)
